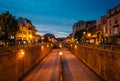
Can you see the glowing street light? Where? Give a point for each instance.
(60, 53)
(75, 46)
(47, 46)
(89, 34)
(42, 47)
(21, 53)
(60, 45)
(84, 33)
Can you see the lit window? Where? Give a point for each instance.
(115, 30)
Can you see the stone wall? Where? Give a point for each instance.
(15, 64)
(105, 63)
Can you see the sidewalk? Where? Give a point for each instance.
(47, 70)
(75, 70)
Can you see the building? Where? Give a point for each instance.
(90, 29)
(27, 33)
(77, 27)
(113, 24)
(82, 25)
(104, 30)
(87, 27)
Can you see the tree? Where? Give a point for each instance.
(8, 26)
(47, 36)
(78, 35)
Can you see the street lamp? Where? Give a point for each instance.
(42, 39)
(89, 35)
(60, 45)
(21, 53)
(60, 53)
(84, 37)
(84, 33)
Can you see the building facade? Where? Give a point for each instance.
(113, 24)
(27, 33)
(78, 26)
(104, 30)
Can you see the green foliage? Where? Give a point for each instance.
(80, 34)
(8, 26)
(47, 36)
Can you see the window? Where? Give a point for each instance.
(115, 30)
(115, 20)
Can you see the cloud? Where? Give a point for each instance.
(58, 31)
(41, 15)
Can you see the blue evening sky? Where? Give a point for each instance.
(57, 16)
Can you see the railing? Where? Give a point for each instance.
(5, 49)
(107, 47)
(14, 65)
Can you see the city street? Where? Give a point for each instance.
(73, 68)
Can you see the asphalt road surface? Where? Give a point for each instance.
(73, 68)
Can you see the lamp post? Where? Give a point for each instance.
(84, 37)
(42, 39)
(12, 40)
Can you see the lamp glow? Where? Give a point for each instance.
(60, 53)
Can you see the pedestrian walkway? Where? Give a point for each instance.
(47, 70)
(73, 68)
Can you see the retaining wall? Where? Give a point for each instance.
(105, 63)
(15, 64)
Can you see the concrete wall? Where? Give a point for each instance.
(14, 65)
(104, 63)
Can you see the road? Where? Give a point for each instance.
(47, 70)
(73, 68)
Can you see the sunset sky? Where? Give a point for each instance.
(57, 16)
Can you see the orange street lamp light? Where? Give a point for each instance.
(84, 33)
(21, 53)
(89, 34)
(60, 53)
